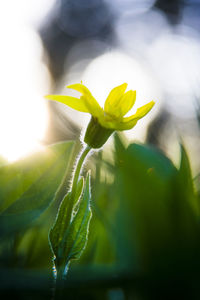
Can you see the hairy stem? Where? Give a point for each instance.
(78, 169)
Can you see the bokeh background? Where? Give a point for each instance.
(152, 45)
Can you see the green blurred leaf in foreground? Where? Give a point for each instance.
(158, 211)
(28, 186)
(68, 236)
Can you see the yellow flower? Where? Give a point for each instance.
(109, 119)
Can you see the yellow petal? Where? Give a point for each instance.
(126, 102)
(141, 112)
(90, 102)
(131, 121)
(75, 103)
(111, 106)
(126, 125)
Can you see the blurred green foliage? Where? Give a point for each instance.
(27, 187)
(144, 234)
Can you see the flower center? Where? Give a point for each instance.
(109, 117)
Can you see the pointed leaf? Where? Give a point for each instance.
(71, 243)
(185, 181)
(185, 171)
(76, 238)
(63, 219)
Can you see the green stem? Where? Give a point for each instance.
(59, 287)
(78, 168)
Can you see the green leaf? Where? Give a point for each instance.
(142, 189)
(185, 183)
(27, 187)
(151, 159)
(159, 227)
(185, 171)
(63, 218)
(69, 235)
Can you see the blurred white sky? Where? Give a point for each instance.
(24, 78)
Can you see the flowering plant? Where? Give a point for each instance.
(105, 121)
(68, 236)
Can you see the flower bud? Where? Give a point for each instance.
(96, 135)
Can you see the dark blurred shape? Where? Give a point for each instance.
(191, 14)
(156, 128)
(197, 110)
(83, 18)
(172, 9)
(72, 22)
